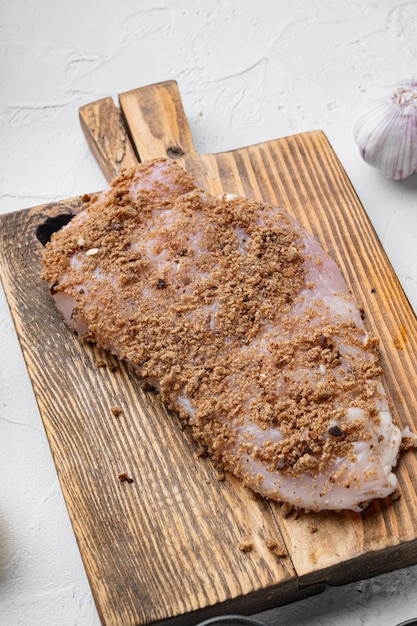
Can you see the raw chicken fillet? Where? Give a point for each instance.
(243, 323)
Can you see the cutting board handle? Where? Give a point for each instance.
(151, 123)
(156, 122)
(106, 136)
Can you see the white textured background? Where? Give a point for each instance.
(248, 71)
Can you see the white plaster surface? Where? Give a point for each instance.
(248, 71)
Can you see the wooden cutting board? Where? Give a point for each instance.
(169, 544)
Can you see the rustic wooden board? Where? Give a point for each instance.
(165, 547)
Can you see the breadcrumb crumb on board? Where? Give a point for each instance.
(245, 545)
(124, 477)
(277, 548)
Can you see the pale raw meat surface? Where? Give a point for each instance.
(245, 325)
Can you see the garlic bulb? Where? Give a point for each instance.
(386, 133)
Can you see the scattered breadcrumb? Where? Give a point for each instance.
(101, 363)
(276, 547)
(313, 528)
(409, 440)
(245, 545)
(116, 410)
(123, 477)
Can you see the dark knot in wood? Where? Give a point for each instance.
(174, 152)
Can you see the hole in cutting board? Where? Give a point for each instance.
(51, 225)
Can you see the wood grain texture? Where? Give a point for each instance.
(106, 136)
(156, 122)
(165, 548)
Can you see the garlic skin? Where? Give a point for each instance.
(386, 132)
